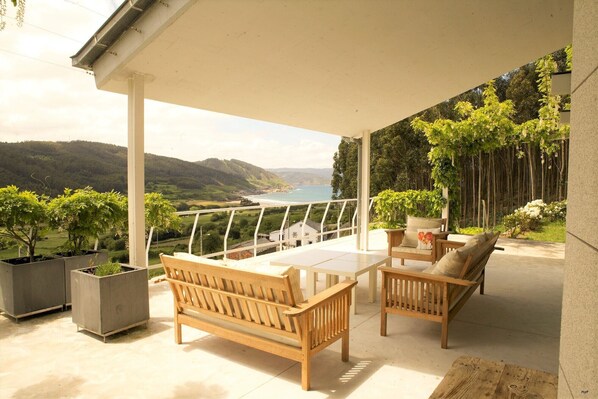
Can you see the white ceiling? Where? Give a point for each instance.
(334, 66)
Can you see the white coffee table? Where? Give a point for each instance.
(305, 261)
(335, 264)
(352, 265)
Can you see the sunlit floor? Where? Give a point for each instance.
(516, 321)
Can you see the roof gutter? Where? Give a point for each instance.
(115, 26)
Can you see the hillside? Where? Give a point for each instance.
(304, 176)
(49, 167)
(258, 177)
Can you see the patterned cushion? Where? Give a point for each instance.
(414, 223)
(425, 237)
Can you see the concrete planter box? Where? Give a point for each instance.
(90, 258)
(27, 288)
(109, 304)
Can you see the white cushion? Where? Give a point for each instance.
(425, 237)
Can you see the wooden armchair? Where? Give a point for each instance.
(436, 295)
(402, 243)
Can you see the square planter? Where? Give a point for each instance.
(110, 304)
(27, 288)
(89, 259)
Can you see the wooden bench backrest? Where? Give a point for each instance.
(476, 262)
(250, 299)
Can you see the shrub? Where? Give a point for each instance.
(85, 213)
(392, 207)
(107, 269)
(22, 216)
(556, 211)
(530, 217)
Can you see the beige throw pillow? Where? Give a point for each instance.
(450, 264)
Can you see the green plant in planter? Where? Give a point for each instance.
(107, 269)
(85, 214)
(22, 216)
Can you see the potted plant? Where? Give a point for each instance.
(109, 298)
(30, 284)
(85, 214)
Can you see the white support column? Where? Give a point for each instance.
(136, 172)
(445, 210)
(363, 219)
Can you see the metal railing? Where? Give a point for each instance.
(284, 240)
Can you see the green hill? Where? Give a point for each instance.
(258, 177)
(49, 167)
(305, 176)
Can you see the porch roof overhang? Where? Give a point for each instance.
(340, 67)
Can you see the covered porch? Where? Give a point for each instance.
(350, 68)
(516, 321)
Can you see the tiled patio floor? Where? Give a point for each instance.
(517, 321)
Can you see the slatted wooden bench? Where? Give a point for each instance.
(258, 310)
(434, 297)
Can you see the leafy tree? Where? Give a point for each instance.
(85, 214)
(160, 213)
(22, 216)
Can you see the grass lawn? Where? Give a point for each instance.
(550, 232)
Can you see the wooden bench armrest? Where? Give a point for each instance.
(442, 234)
(322, 298)
(449, 243)
(426, 276)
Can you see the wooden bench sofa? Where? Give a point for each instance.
(439, 292)
(265, 311)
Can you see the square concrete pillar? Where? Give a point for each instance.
(578, 360)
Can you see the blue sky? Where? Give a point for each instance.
(43, 98)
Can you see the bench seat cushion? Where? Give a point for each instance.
(411, 250)
(233, 326)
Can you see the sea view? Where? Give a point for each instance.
(298, 194)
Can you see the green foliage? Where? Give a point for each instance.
(480, 130)
(393, 207)
(107, 269)
(85, 214)
(470, 230)
(22, 216)
(546, 131)
(160, 213)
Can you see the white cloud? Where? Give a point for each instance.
(42, 97)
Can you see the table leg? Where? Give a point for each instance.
(353, 309)
(311, 283)
(373, 284)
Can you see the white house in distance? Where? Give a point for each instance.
(296, 231)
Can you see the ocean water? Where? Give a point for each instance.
(298, 194)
